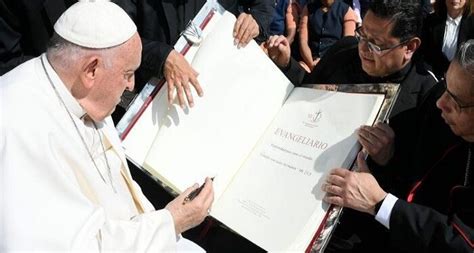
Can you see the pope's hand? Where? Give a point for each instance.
(356, 190)
(278, 50)
(189, 214)
(378, 141)
(245, 29)
(180, 75)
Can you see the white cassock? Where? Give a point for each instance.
(53, 197)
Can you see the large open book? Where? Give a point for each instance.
(268, 144)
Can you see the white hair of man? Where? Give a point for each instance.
(465, 58)
(65, 54)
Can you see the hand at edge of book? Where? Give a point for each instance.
(245, 29)
(180, 76)
(378, 141)
(356, 190)
(278, 49)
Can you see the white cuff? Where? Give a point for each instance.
(385, 211)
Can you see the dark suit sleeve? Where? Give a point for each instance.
(154, 56)
(11, 52)
(294, 72)
(341, 55)
(421, 229)
(262, 12)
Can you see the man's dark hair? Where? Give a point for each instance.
(406, 16)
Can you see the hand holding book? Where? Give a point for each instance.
(378, 141)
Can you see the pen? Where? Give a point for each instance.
(194, 193)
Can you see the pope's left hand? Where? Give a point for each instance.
(245, 29)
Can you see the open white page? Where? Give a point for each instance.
(275, 199)
(138, 141)
(243, 91)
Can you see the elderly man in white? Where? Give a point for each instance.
(65, 184)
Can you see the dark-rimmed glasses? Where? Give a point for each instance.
(378, 50)
(458, 104)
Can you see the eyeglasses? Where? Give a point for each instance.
(454, 98)
(378, 50)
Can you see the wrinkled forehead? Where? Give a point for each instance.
(132, 51)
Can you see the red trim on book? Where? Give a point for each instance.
(146, 103)
(150, 98)
(411, 194)
(320, 229)
(463, 235)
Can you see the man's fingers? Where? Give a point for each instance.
(238, 24)
(206, 196)
(378, 133)
(333, 199)
(209, 193)
(379, 137)
(181, 84)
(180, 91)
(361, 163)
(339, 172)
(246, 37)
(365, 143)
(367, 136)
(189, 95)
(332, 189)
(335, 179)
(386, 129)
(380, 130)
(188, 191)
(250, 33)
(194, 82)
(369, 144)
(382, 125)
(242, 30)
(271, 41)
(281, 40)
(171, 89)
(238, 28)
(275, 40)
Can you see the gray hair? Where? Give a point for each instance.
(66, 54)
(465, 56)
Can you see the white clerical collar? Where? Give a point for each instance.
(71, 103)
(454, 20)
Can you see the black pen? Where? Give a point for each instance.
(194, 193)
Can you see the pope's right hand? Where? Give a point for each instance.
(278, 49)
(180, 76)
(188, 214)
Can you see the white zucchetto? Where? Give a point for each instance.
(95, 24)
